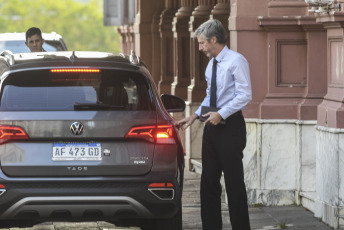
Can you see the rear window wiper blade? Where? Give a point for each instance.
(97, 106)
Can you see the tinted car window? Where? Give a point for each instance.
(20, 47)
(14, 46)
(52, 46)
(46, 91)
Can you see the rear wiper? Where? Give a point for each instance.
(95, 106)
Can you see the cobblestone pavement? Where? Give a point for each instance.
(262, 218)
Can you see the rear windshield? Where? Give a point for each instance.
(43, 90)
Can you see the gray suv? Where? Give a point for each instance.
(84, 136)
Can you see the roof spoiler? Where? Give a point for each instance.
(8, 55)
(133, 58)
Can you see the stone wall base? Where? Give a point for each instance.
(293, 162)
(331, 215)
(329, 202)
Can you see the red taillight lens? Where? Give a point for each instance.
(8, 133)
(143, 132)
(161, 134)
(75, 70)
(161, 185)
(75, 74)
(164, 134)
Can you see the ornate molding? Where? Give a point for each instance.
(287, 23)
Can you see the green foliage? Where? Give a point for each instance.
(282, 226)
(79, 23)
(257, 205)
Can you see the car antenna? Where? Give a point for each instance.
(73, 57)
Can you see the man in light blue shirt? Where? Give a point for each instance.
(233, 83)
(224, 138)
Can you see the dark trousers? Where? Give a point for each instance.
(222, 151)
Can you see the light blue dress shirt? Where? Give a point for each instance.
(234, 90)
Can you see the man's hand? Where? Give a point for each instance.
(214, 118)
(186, 122)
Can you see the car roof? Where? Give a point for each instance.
(21, 36)
(70, 59)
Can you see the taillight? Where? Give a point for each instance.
(8, 133)
(75, 70)
(164, 134)
(2, 189)
(164, 191)
(160, 134)
(75, 75)
(160, 185)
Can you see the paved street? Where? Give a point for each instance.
(262, 218)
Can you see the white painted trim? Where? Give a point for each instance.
(328, 129)
(281, 121)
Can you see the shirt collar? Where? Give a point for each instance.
(222, 54)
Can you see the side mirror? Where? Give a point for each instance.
(173, 103)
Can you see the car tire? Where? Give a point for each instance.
(173, 223)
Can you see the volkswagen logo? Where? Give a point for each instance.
(76, 128)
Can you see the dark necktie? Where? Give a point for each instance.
(213, 87)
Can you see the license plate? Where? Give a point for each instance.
(77, 152)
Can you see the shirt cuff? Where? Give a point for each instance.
(223, 114)
(198, 112)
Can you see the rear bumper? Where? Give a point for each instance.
(78, 207)
(88, 199)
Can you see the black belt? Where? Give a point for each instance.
(235, 114)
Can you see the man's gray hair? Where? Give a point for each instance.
(210, 28)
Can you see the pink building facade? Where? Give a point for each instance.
(295, 122)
